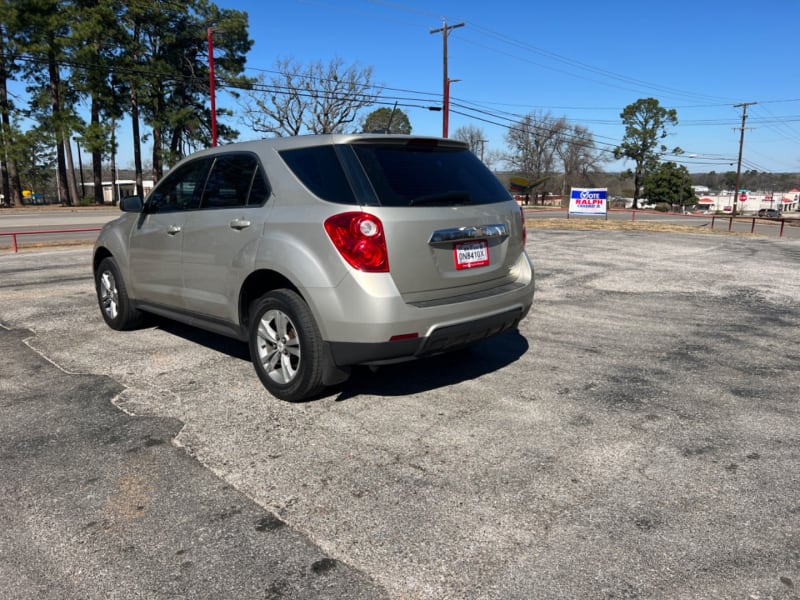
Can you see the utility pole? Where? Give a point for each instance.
(483, 145)
(445, 30)
(743, 106)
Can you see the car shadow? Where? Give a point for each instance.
(434, 372)
(398, 379)
(223, 344)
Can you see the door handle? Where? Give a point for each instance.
(173, 229)
(239, 224)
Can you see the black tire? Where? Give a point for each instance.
(112, 296)
(285, 346)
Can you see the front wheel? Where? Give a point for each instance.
(112, 296)
(285, 345)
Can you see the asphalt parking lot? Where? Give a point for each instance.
(637, 439)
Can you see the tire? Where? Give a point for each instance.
(285, 345)
(112, 296)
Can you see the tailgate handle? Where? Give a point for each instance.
(463, 234)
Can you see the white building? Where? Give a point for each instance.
(750, 202)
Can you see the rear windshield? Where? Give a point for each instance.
(428, 175)
(415, 174)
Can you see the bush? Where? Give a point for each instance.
(663, 207)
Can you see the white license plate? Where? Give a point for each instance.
(469, 255)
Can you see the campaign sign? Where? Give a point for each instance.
(588, 201)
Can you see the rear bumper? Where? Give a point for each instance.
(442, 339)
(364, 320)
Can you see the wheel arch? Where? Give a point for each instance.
(100, 254)
(256, 285)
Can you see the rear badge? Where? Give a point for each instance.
(469, 255)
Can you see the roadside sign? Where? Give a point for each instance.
(588, 201)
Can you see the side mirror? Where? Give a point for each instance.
(131, 204)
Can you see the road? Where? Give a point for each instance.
(637, 439)
(20, 220)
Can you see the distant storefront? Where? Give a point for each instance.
(115, 191)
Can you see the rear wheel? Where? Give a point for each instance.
(112, 296)
(286, 346)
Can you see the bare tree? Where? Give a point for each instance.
(476, 138)
(533, 144)
(578, 156)
(314, 99)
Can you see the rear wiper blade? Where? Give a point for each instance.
(454, 197)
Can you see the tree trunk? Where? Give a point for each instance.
(157, 166)
(97, 157)
(72, 184)
(637, 186)
(114, 183)
(11, 187)
(137, 150)
(61, 178)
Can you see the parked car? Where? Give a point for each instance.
(322, 252)
(770, 213)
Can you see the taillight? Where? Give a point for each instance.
(359, 239)
(524, 229)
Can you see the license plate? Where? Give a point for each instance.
(469, 255)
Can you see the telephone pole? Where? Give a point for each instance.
(743, 106)
(445, 30)
(483, 145)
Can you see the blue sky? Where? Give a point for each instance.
(581, 60)
(584, 61)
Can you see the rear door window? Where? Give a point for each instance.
(423, 174)
(235, 180)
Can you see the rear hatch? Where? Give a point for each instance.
(452, 230)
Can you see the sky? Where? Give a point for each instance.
(584, 61)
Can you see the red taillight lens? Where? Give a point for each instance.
(359, 239)
(524, 229)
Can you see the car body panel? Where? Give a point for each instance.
(155, 257)
(215, 259)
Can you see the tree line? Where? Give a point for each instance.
(147, 60)
(88, 64)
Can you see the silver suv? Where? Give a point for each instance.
(322, 252)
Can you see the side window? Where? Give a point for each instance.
(319, 169)
(234, 178)
(259, 190)
(181, 188)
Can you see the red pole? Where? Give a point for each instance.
(211, 87)
(446, 116)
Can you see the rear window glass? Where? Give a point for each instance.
(319, 169)
(428, 175)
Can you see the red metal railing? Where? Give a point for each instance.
(14, 234)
